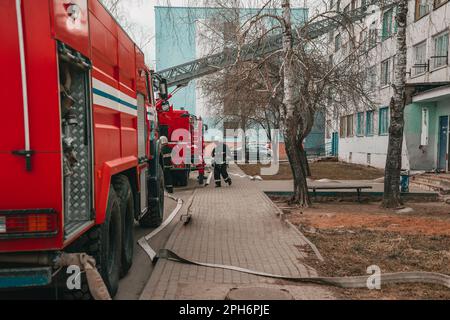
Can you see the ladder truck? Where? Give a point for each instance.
(80, 156)
(185, 133)
(182, 74)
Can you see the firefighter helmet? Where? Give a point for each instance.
(164, 140)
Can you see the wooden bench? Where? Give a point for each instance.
(357, 188)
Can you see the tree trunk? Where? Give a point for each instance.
(299, 172)
(304, 157)
(392, 196)
(301, 195)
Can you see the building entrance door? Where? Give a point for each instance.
(443, 143)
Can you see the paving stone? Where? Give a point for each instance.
(237, 226)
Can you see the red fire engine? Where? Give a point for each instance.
(185, 133)
(80, 158)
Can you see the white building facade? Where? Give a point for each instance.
(360, 133)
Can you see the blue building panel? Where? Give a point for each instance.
(176, 40)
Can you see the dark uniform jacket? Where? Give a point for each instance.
(221, 153)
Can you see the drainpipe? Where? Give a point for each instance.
(27, 152)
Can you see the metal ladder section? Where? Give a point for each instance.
(182, 74)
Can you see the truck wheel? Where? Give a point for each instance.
(201, 179)
(104, 243)
(123, 189)
(154, 217)
(184, 178)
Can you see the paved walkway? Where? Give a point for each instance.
(237, 226)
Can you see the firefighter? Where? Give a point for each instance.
(221, 154)
(167, 156)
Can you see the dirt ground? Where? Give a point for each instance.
(352, 237)
(321, 170)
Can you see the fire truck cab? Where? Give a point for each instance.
(80, 158)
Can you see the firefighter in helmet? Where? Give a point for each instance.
(221, 155)
(168, 166)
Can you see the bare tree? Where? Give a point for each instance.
(391, 198)
(297, 81)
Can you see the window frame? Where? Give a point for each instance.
(417, 15)
(343, 127)
(380, 120)
(372, 39)
(372, 78)
(360, 124)
(384, 33)
(371, 126)
(350, 131)
(436, 6)
(388, 73)
(415, 47)
(434, 38)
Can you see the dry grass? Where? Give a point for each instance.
(352, 237)
(321, 170)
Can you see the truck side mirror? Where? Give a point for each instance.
(163, 89)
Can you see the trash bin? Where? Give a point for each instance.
(404, 181)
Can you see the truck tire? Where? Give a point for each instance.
(123, 190)
(154, 216)
(183, 178)
(104, 243)
(201, 179)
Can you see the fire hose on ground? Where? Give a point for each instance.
(342, 282)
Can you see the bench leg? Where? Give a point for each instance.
(359, 194)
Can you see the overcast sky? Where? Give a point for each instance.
(142, 12)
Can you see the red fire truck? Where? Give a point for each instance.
(80, 158)
(185, 133)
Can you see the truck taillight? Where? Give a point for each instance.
(28, 223)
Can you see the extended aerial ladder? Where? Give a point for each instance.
(182, 74)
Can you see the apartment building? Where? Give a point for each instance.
(359, 134)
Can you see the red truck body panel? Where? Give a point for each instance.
(184, 129)
(115, 81)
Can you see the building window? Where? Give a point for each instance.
(385, 73)
(350, 132)
(373, 38)
(422, 8)
(383, 121)
(440, 57)
(354, 4)
(420, 58)
(360, 124)
(424, 127)
(343, 127)
(337, 42)
(369, 123)
(438, 3)
(372, 78)
(387, 24)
